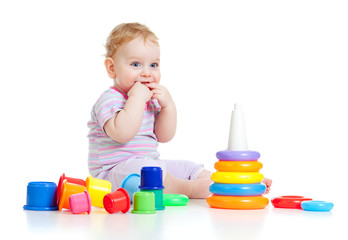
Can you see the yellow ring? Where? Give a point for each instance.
(238, 166)
(219, 201)
(236, 177)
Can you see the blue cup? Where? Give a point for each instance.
(151, 178)
(131, 184)
(41, 196)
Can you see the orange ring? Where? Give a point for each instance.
(229, 202)
(238, 166)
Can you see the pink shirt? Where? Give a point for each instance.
(104, 153)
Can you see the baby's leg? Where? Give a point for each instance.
(186, 177)
(198, 188)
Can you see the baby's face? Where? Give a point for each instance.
(137, 61)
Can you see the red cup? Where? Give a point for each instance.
(80, 203)
(117, 201)
(69, 180)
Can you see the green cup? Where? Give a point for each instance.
(144, 203)
(158, 198)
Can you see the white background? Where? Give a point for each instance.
(285, 62)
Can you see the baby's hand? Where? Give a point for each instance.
(268, 183)
(161, 94)
(141, 91)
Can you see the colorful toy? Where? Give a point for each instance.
(41, 196)
(237, 155)
(239, 166)
(254, 189)
(318, 206)
(70, 180)
(233, 202)
(97, 189)
(144, 203)
(237, 177)
(131, 184)
(175, 200)
(151, 178)
(117, 201)
(151, 181)
(68, 189)
(237, 181)
(80, 203)
(289, 201)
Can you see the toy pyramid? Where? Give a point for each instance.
(237, 181)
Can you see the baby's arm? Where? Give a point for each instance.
(124, 126)
(165, 127)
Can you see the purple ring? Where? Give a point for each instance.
(228, 155)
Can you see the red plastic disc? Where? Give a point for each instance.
(289, 201)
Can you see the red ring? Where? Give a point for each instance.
(289, 201)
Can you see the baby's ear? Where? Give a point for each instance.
(110, 67)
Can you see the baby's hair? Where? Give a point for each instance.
(126, 32)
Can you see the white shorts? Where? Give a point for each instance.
(182, 169)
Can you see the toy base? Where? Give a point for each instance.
(229, 202)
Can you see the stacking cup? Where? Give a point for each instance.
(97, 189)
(68, 189)
(144, 203)
(131, 184)
(151, 178)
(117, 201)
(158, 198)
(80, 203)
(70, 180)
(41, 196)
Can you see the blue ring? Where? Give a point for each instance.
(318, 206)
(228, 155)
(253, 189)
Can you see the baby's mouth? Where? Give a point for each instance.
(143, 80)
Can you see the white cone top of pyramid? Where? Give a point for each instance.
(237, 139)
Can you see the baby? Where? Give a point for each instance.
(135, 114)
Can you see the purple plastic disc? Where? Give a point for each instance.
(228, 155)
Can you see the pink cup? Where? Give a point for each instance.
(80, 203)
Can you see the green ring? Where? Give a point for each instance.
(175, 200)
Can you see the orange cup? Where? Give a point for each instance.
(68, 189)
(70, 180)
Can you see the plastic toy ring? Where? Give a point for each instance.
(236, 177)
(257, 202)
(175, 200)
(319, 206)
(289, 201)
(238, 155)
(254, 189)
(238, 166)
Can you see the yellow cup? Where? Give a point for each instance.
(237, 177)
(97, 189)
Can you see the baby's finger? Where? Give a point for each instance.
(152, 85)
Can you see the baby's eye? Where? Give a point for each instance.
(153, 65)
(135, 64)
